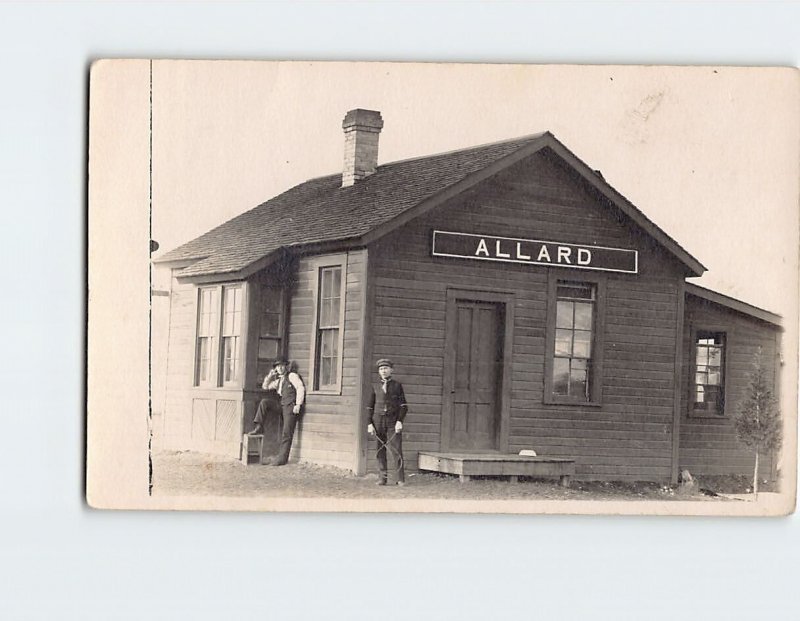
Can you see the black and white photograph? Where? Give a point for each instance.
(400, 310)
(451, 287)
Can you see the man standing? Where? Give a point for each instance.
(387, 423)
(292, 392)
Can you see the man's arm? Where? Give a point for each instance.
(371, 406)
(270, 381)
(299, 388)
(401, 400)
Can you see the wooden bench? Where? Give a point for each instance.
(467, 465)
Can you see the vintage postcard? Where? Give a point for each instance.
(329, 286)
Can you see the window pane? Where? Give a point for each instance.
(203, 356)
(329, 343)
(324, 313)
(335, 310)
(268, 349)
(583, 316)
(271, 300)
(325, 372)
(563, 342)
(702, 356)
(699, 395)
(325, 344)
(561, 376)
(577, 383)
(230, 355)
(563, 314)
(714, 356)
(232, 313)
(207, 319)
(270, 324)
(325, 290)
(714, 378)
(700, 377)
(576, 290)
(262, 370)
(334, 370)
(582, 346)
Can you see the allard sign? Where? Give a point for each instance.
(534, 252)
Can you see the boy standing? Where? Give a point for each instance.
(387, 423)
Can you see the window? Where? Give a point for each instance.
(219, 344)
(329, 330)
(708, 394)
(572, 357)
(572, 369)
(231, 325)
(270, 331)
(207, 327)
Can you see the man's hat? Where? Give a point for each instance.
(278, 361)
(384, 362)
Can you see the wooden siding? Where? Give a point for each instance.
(327, 432)
(201, 418)
(709, 445)
(629, 436)
(180, 365)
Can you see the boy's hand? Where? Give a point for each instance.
(371, 429)
(296, 409)
(398, 427)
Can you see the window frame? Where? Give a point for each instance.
(726, 332)
(317, 265)
(239, 336)
(213, 335)
(216, 372)
(555, 277)
(280, 336)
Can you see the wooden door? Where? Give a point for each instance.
(477, 367)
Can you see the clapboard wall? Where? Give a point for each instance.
(327, 433)
(207, 419)
(709, 445)
(629, 436)
(180, 364)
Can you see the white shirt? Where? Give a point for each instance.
(294, 379)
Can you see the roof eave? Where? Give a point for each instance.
(734, 304)
(177, 263)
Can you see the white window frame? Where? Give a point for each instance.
(216, 370)
(317, 265)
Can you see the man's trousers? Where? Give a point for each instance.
(391, 442)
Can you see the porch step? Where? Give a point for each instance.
(466, 465)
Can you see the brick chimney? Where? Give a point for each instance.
(361, 131)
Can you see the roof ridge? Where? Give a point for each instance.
(523, 138)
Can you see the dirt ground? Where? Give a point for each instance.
(198, 474)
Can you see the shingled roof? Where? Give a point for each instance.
(320, 210)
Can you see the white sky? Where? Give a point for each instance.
(709, 154)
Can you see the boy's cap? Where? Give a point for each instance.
(384, 362)
(278, 361)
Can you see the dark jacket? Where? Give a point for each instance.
(391, 403)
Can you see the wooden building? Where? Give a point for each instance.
(525, 302)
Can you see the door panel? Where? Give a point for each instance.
(477, 362)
